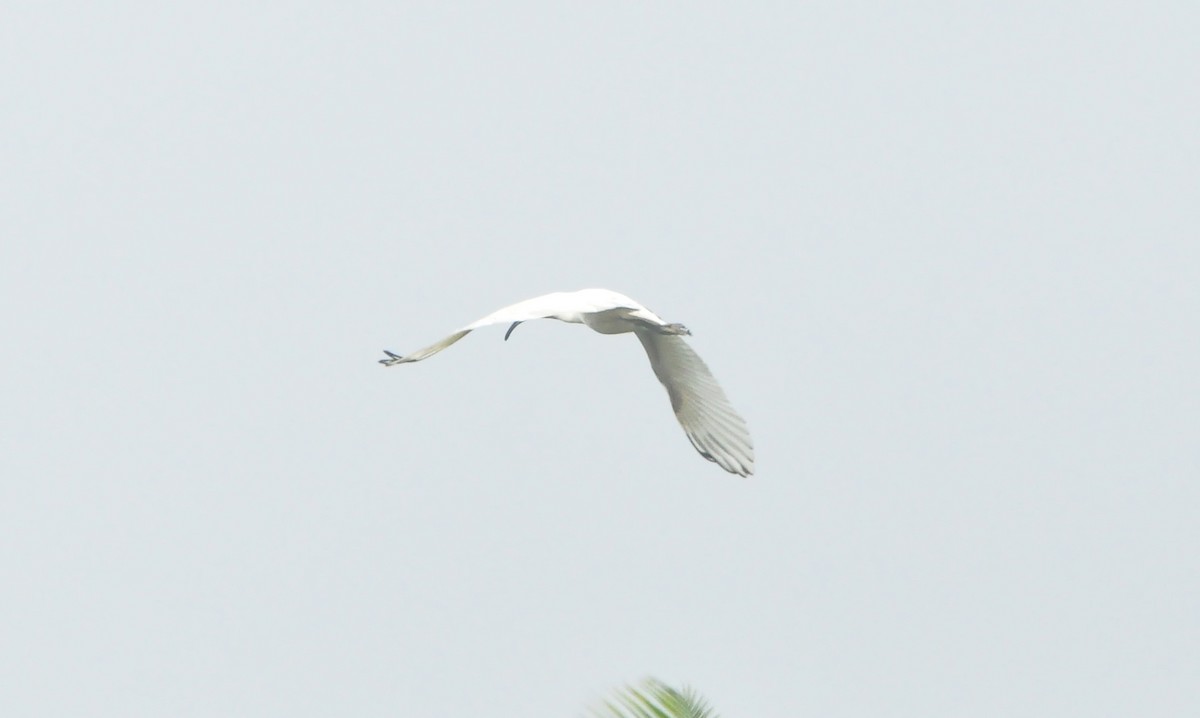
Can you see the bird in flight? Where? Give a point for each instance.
(708, 419)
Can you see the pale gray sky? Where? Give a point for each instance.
(943, 257)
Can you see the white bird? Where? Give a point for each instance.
(710, 422)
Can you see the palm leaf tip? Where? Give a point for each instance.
(654, 699)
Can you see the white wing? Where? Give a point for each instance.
(708, 419)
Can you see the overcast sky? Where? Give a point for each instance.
(943, 258)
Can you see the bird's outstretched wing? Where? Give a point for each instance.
(536, 308)
(708, 419)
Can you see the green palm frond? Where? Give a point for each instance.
(654, 699)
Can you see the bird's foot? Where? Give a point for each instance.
(392, 359)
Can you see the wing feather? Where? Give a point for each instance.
(711, 423)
